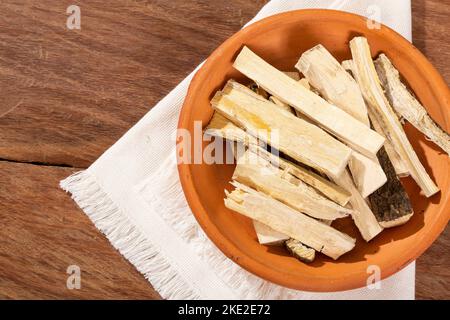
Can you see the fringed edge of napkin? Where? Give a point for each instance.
(147, 258)
(179, 217)
(125, 236)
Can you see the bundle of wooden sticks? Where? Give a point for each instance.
(341, 143)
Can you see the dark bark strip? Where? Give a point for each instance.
(390, 203)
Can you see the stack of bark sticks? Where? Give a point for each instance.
(337, 148)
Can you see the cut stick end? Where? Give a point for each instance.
(431, 191)
(242, 57)
(284, 219)
(396, 222)
(216, 99)
(267, 236)
(367, 192)
(368, 79)
(300, 251)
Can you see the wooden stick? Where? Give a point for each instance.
(324, 186)
(329, 189)
(267, 236)
(219, 126)
(300, 140)
(369, 83)
(286, 220)
(258, 90)
(293, 75)
(338, 87)
(404, 102)
(259, 174)
(330, 117)
(300, 251)
(400, 166)
(326, 74)
(363, 217)
(390, 203)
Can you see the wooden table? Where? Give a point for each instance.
(67, 95)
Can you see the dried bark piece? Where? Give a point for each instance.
(267, 236)
(400, 166)
(362, 215)
(322, 185)
(367, 78)
(317, 235)
(330, 117)
(293, 75)
(390, 203)
(300, 140)
(326, 74)
(300, 251)
(404, 102)
(367, 173)
(305, 83)
(219, 126)
(327, 188)
(261, 175)
(256, 88)
(338, 87)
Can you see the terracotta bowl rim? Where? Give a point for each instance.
(353, 280)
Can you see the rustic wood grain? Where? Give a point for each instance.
(430, 28)
(432, 270)
(67, 95)
(43, 233)
(430, 21)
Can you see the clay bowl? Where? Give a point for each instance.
(280, 40)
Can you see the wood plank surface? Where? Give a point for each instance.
(67, 95)
(43, 233)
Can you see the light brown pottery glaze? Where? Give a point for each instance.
(280, 40)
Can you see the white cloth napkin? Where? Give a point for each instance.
(133, 195)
